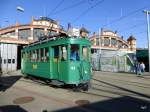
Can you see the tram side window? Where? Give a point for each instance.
(46, 55)
(85, 52)
(56, 52)
(74, 55)
(22, 55)
(33, 56)
(37, 55)
(29, 55)
(64, 53)
(41, 54)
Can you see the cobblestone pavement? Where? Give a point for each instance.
(110, 92)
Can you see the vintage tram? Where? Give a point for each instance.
(59, 59)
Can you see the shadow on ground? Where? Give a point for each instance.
(7, 81)
(11, 108)
(121, 104)
(123, 89)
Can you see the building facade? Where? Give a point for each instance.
(110, 52)
(13, 38)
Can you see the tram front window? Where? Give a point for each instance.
(74, 55)
(85, 52)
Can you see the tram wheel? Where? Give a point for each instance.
(85, 87)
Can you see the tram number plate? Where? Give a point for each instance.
(34, 66)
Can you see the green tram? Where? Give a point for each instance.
(64, 60)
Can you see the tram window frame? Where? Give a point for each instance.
(64, 52)
(37, 55)
(75, 52)
(41, 54)
(86, 53)
(46, 54)
(34, 56)
(56, 52)
(29, 56)
(32, 60)
(22, 55)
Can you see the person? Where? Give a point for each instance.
(142, 68)
(138, 68)
(73, 55)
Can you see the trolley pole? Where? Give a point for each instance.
(148, 35)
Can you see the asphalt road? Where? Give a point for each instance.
(110, 92)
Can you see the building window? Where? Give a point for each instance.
(49, 33)
(125, 46)
(38, 33)
(106, 41)
(13, 61)
(24, 34)
(9, 60)
(4, 61)
(119, 44)
(113, 42)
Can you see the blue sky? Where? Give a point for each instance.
(92, 14)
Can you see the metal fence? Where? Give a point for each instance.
(111, 62)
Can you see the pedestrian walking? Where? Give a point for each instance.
(138, 68)
(142, 67)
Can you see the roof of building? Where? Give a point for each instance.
(84, 30)
(131, 38)
(43, 18)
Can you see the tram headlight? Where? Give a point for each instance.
(85, 72)
(73, 67)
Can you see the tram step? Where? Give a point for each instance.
(57, 83)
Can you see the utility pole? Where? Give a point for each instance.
(100, 52)
(148, 35)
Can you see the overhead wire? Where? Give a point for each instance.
(125, 16)
(69, 7)
(87, 10)
(55, 8)
(132, 27)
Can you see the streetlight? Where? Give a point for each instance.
(19, 8)
(148, 34)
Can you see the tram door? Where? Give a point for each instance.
(55, 62)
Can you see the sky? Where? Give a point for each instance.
(124, 16)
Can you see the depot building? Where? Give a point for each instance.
(13, 38)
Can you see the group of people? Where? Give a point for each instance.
(140, 68)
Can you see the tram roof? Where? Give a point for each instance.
(54, 41)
